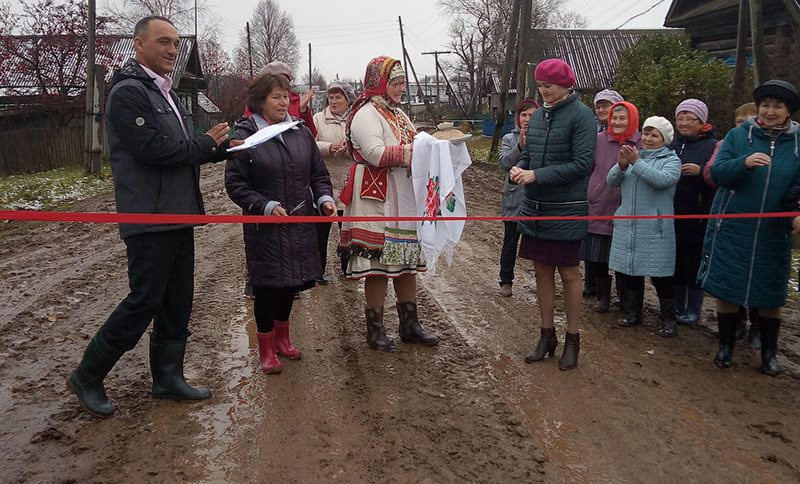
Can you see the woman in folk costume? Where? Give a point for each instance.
(380, 137)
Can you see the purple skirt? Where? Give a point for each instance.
(562, 253)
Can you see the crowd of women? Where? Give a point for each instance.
(563, 160)
(575, 162)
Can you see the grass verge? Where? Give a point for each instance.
(51, 189)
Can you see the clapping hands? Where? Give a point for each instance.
(627, 156)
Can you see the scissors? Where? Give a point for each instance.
(297, 207)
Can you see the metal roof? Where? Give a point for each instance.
(593, 54)
(115, 51)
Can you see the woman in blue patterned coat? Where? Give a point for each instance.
(746, 260)
(646, 247)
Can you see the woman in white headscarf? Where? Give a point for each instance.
(331, 141)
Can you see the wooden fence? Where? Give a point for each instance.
(40, 149)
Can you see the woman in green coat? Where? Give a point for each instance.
(555, 168)
(746, 260)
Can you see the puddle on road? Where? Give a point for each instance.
(220, 420)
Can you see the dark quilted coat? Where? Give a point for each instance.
(560, 150)
(289, 171)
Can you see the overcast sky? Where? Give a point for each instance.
(346, 34)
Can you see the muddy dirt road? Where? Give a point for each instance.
(638, 409)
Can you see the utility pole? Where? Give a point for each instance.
(249, 50)
(435, 55)
(90, 158)
(524, 48)
(739, 90)
(195, 20)
(504, 81)
(405, 61)
(310, 80)
(419, 87)
(453, 92)
(757, 35)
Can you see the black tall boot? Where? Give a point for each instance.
(681, 291)
(166, 365)
(603, 293)
(376, 333)
(769, 345)
(619, 284)
(410, 329)
(572, 347)
(727, 338)
(87, 380)
(545, 347)
(754, 334)
(633, 308)
(669, 327)
(694, 307)
(589, 287)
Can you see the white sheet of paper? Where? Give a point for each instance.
(263, 135)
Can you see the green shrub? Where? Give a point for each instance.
(663, 70)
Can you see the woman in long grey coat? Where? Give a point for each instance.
(284, 176)
(646, 247)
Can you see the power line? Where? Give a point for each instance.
(599, 37)
(615, 15)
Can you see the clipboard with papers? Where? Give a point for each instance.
(263, 135)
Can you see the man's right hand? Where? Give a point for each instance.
(219, 133)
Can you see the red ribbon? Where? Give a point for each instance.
(153, 218)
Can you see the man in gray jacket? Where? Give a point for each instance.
(155, 161)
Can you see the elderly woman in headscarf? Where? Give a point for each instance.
(745, 261)
(555, 167)
(331, 123)
(380, 137)
(623, 130)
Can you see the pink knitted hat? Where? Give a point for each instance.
(555, 71)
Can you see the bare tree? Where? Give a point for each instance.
(227, 85)
(181, 12)
(317, 79)
(40, 53)
(272, 35)
(479, 32)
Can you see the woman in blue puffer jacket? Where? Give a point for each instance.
(646, 247)
(746, 260)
